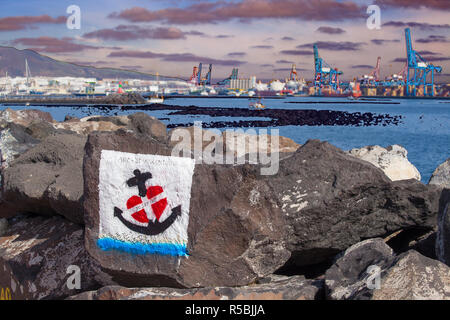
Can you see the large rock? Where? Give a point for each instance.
(25, 117)
(146, 125)
(393, 161)
(348, 276)
(35, 256)
(46, 179)
(414, 277)
(232, 230)
(236, 143)
(441, 176)
(443, 233)
(331, 200)
(244, 225)
(409, 276)
(289, 288)
(14, 140)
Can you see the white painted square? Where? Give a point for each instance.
(172, 174)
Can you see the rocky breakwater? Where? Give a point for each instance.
(146, 224)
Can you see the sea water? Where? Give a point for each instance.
(424, 129)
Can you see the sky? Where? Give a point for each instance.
(263, 38)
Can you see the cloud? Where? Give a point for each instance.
(334, 45)
(246, 10)
(173, 57)
(266, 65)
(262, 46)
(236, 54)
(432, 4)
(53, 45)
(433, 38)
(26, 22)
(286, 38)
(362, 66)
(330, 30)
(288, 69)
(426, 52)
(422, 26)
(426, 58)
(130, 32)
(297, 52)
(224, 36)
(285, 61)
(383, 41)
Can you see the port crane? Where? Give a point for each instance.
(233, 76)
(196, 76)
(293, 75)
(324, 74)
(418, 70)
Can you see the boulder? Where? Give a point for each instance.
(289, 288)
(409, 276)
(441, 176)
(25, 117)
(144, 124)
(84, 127)
(40, 129)
(232, 228)
(35, 256)
(3, 226)
(47, 179)
(413, 276)
(443, 233)
(243, 225)
(322, 190)
(348, 276)
(240, 143)
(125, 98)
(236, 143)
(14, 140)
(393, 161)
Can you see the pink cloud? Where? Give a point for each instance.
(24, 22)
(246, 10)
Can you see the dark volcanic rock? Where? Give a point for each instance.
(47, 179)
(40, 129)
(144, 124)
(413, 276)
(347, 278)
(293, 288)
(409, 276)
(232, 240)
(244, 225)
(35, 253)
(443, 233)
(331, 200)
(14, 140)
(125, 98)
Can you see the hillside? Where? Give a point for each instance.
(12, 60)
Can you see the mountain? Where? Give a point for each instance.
(12, 60)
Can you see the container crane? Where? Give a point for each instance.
(418, 70)
(324, 74)
(233, 76)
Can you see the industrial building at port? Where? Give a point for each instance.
(416, 79)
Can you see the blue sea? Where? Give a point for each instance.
(424, 129)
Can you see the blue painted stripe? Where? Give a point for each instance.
(171, 249)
